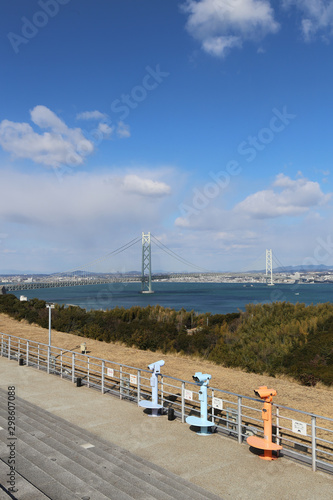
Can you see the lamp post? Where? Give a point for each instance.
(50, 306)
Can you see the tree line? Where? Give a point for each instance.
(276, 338)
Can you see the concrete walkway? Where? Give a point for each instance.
(215, 463)
(59, 460)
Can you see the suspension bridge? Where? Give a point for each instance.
(87, 276)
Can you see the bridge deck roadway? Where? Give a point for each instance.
(215, 463)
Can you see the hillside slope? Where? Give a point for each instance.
(289, 393)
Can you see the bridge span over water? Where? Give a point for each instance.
(89, 275)
(87, 281)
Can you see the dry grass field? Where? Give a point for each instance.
(289, 393)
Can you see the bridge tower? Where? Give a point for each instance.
(146, 264)
(269, 268)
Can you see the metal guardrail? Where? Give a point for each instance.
(305, 437)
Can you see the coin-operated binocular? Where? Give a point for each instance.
(264, 393)
(153, 405)
(201, 379)
(156, 367)
(266, 442)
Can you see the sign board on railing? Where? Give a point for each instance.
(110, 372)
(299, 427)
(188, 395)
(218, 403)
(133, 379)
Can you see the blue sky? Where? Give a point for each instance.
(206, 122)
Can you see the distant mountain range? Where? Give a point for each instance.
(289, 269)
(299, 269)
(304, 269)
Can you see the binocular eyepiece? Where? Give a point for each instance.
(263, 392)
(201, 377)
(156, 366)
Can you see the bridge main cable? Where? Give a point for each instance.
(100, 259)
(176, 256)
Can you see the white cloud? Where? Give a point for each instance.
(91, 115)
(249, 220)
(317, 16)
(224, 24)
(59, 145)
(45, 118)
(105, 129)
(123, 130)
(104, 126)
(183, 222)
(146, 187)
(287, 197)
(236, 237)
(59, 225)
(218, 45)
(209, 217)
(79, 198)
(56, 226)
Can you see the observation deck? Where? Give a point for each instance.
(86, 444)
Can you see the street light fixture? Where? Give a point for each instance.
(50, 306)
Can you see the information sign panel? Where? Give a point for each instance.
(299, 427)
(188, 395)
(218, 403)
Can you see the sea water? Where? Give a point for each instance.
(216, 298)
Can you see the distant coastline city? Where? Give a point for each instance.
(285, 277)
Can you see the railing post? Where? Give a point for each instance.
(121, 382)
(313, 443)
(1, 345)
(183, 402)
(277, 425)
(60, 364)
(27, 360)
(38, 356)
(73, 367)
(162, 390)
(88, 371)
(48, 359)
(213, 413)
(239, 419)
(139, 386)
(19, 349)
(103, 371)
(8, 347)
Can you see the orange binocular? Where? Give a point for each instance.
(263, 392)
